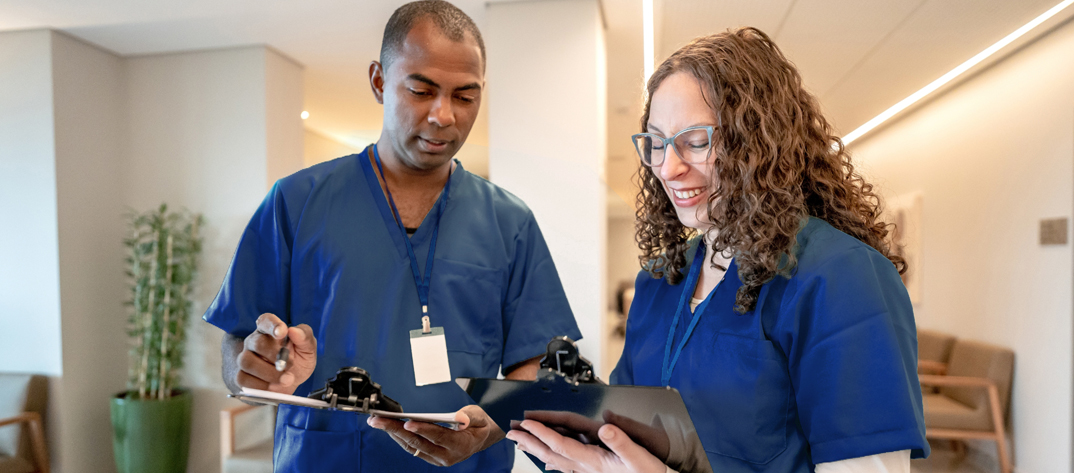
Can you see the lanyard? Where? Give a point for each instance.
(422, 283)
(687, 291)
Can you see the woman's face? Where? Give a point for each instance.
(678, 103)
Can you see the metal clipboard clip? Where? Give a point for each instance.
(563, 360)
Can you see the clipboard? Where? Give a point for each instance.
(350, 390)
(567, 398)
(271, 398)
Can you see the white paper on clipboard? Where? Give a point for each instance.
(277, 398)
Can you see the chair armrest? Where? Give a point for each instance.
(227, 428)
(961, 381)
(969, 381)
(24, 417)
(931, 367)
(232, 412)
(37, 436)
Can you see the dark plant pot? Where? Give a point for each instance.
(153, 435)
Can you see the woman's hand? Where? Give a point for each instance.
(566, 454)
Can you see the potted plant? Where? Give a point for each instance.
(151, 419)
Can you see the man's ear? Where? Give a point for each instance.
(376, 81)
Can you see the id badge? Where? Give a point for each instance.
(429, 352)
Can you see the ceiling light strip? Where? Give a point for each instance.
(961, 69)
(649, 37)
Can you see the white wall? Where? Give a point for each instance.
(993, 157)
(29, 263)
(547, 138)
(87, 89)
(623, 265)
(200, 130)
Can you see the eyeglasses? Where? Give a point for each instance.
(693, 144)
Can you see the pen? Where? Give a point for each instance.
(284, 356)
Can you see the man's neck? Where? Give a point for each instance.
(405, 179)
(414, 191)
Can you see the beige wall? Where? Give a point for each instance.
(211, 131)
(85, 136)
(992, 157)
(319, 148)
(62, 285)
(283, 115)
(87, 88)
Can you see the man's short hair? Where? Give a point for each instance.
(447, 17)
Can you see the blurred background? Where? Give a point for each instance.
(108, 106)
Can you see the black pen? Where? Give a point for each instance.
(284, 356)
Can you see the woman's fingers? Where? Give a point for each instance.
(564, 419)
(635, 457)
(534, 446)
(568, 448)
(655, 440)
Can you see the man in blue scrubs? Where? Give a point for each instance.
(346, 258)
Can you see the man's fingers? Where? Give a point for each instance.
(257, 367)
(633, 455)
(463, 419)
(436, 434)
(246, 380)
(263, 345)
(302, 339)
(473, 416)
(408, 440)
(395, 429)
(271, 325)
(406, 447)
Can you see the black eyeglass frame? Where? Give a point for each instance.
(670, 142)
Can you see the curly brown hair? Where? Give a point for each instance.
(777, 163)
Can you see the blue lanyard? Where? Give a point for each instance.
(441, 203)
(687, 291)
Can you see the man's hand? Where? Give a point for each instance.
(445, 447)
(442, 446)
(255, 365)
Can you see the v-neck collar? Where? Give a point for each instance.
(388, 219)
(729, 283)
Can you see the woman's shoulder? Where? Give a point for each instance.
(823, 250)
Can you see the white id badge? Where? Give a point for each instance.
(429, 352)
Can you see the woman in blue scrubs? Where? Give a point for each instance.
(769, 297)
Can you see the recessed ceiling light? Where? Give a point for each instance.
(951, 75)
(306, 114)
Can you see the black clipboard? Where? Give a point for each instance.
(569, 399)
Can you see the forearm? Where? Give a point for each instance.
(525, 371)
(890, 462)
(230, 348)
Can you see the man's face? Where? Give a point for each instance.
(431, 94)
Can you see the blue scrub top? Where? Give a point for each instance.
(823, 369)
(320, 251)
